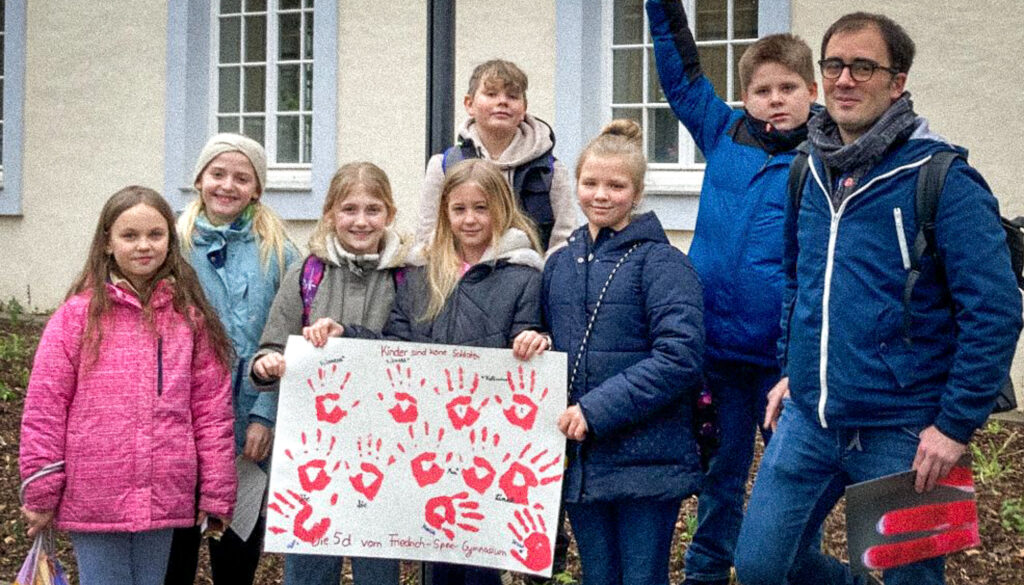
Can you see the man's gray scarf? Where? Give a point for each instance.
(854, 160)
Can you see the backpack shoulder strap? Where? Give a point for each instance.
(931, 178)
(309, 281)
(798, 170)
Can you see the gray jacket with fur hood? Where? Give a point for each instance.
(354, 289)
(494, 301)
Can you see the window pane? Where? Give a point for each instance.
(255, 89)
(288, 88)
(255, 5)
(629, 22)
(307, 139)
(737, 52)
(744, 19)
(654, 91)
(288, 36)
(255, 38)
(228, 124)
(713, 62)
(230, 6)
(227, 92)
(253, 128)
(307, 88)
(663, 139)
(288, 139)
(307, 41)
(308, 3)
(635, 114)
(230, 37)
(712, 20)
(288, 4)
(627, 73)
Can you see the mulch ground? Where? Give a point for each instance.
(998, 464)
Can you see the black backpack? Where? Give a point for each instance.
(930, 180)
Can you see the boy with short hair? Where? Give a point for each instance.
(500, 130)
(737, 247)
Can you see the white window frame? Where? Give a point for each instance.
(191, 111)
(583, 82)
(291, 176)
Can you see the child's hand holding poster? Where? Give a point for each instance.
(416, 451)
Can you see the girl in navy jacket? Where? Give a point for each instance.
(627, 308)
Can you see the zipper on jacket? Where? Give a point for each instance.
(159, 365)
(897, 216)
(829, 264)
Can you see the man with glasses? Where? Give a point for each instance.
(874, 384)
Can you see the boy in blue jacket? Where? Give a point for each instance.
(737, 247)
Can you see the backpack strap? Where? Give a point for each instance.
(798, 170)
(931, 179)
(309, 281)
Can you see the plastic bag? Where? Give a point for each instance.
(41, 566)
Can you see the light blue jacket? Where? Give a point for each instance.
(227, 260)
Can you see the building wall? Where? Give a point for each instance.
(94, 114)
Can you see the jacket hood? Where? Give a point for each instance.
(123, 293)
(533, 139)
(923, 137)
(396, 248)
(513, 247)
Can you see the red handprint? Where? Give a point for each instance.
(460, 409)
(404, 409)
(425, 469)
(952, 526)
(287, 505)
(369, 450)
(480, 474)
(522, 411)
(315, 474)
(444, 511)
(523, 473)
(328, 397)
(536, 542)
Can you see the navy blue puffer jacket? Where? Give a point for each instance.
(642, 364)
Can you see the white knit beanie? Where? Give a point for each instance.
(227, 142)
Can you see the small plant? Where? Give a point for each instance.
(1011, 515)
(988, 466)
(563, 578)
(7, 393)
(14, 310)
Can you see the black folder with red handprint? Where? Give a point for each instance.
(889, 524)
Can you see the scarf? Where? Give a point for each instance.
(854, 160)
(771, 139)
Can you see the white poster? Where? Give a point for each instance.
(416, 451)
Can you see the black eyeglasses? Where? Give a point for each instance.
(860, 69)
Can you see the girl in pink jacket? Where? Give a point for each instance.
(130, 392)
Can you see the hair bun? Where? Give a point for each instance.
(625, 128)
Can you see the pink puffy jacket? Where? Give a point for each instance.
(136, 428)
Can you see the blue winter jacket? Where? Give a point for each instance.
(228, 263)
(843, 343)
(737, 243)
(640, 371)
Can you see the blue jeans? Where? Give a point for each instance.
(129, 558)
(625, 542)
(325, 570)
(803, 474)
(740, 391)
